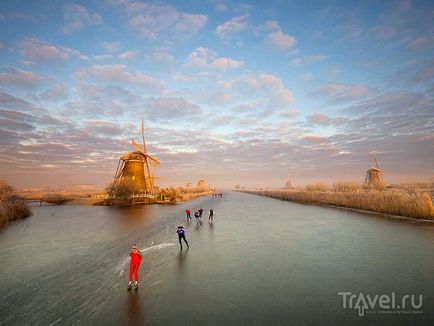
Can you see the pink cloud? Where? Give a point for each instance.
(206, 58)
(233, 26)
(421, 43)
(119, 73)
(128, 55)
(21, 78)
(281, 40)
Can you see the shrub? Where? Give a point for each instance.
(55, 199)
(122, 190)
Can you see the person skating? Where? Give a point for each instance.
(136, 258)
(200, 212)
(211, 215)
(181, 235)
(197, 216)
(187, 212)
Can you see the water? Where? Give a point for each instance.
(262, 262)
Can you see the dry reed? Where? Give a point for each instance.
(394, 202)
(57, 199)
(12, 207)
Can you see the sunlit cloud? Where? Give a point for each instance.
(208, 59)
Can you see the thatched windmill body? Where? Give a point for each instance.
(135, 167)
(374, 177)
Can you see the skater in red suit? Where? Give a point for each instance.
(136, 258)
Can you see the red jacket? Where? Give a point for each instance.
(136, 257)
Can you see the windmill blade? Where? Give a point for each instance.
(153, 163)
(143, 136)
(137, 146)
(376, 163)
(153, 159)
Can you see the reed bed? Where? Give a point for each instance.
(393, 201)
(12, 207)
(57, 199)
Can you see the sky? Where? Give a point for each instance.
(250, 93)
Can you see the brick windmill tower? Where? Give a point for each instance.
(135, 167)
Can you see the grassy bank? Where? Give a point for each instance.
(391, 201)
(12, 207)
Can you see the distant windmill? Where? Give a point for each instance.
(131, 167)
(288, 183)
(374, 177)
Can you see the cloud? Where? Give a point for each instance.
(424, 74)
(341, 92)
(36, 51)
(105, 128)
(94, 100)
(325, 120)
(55, 93)
(206, 58)
(308, 59)
(221, 7)
(233, 26)
(277, 38)
(307, 76)
(421, 43)
(169, 109)
(103, 57)
(318, 118)
(281, 40)
(14, 77)
(267, 92)
(128, 55)
(111, 47)
(119, 74)
(315, 139)
(76, 17)
(153, 20)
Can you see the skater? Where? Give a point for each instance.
(181, 235)
(136, 258)
(187, 212)
(200, 212)
(197, 216)
(211, 215)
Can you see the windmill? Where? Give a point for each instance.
(135, 167)
(374, 177)
(288, 183)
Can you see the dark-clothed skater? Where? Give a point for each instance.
(181, 235)
(211, 215)
(197, 217)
